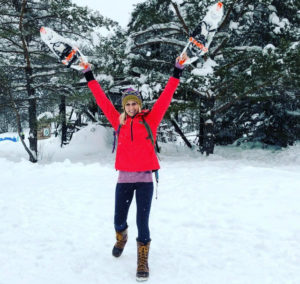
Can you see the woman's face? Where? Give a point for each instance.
(132, 108)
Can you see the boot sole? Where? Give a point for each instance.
(117, 252)
(141, 279)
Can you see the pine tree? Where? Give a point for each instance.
(33, 72)
(259, 75)
(156, 46)
(254, 58)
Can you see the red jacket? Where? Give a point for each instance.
(135, 152)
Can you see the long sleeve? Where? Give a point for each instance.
(161, 105)
(104, 103)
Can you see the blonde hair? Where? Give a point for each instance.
(123, 116)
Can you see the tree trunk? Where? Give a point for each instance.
(201, 132)
(18, 119)
(206, 133)
(31, 112)
(62, 116)
(29, 81)
(178, 130)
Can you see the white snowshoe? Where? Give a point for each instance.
(62, 48)
(203, 34)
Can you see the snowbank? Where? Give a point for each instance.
(232, 217)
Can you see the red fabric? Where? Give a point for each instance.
(135, 153)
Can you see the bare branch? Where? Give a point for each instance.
(222, 44)
(11, 51)
(163, 40)
(226, 18)
(180, 17)
(158, 27)
(13, 42)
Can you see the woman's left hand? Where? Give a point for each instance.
(180, 60)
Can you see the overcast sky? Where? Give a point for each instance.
(118, 10)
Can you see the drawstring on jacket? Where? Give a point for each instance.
(116, 134)
(156, 179)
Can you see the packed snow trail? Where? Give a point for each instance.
(230, 218)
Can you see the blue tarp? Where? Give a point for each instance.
(13, 139)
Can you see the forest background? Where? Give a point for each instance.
(244, 90)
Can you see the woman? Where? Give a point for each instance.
(135, 159)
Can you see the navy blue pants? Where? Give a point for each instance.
(123, 198)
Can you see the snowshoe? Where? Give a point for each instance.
(63, 49)
(201, 37)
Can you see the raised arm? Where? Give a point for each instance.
(161, 105)
(102, 101)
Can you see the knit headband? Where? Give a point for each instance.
(131, 94)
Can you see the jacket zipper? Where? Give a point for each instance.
(131, 123)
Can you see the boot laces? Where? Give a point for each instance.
(143, 253)
(121, 240)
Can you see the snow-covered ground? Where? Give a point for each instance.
(233, 217)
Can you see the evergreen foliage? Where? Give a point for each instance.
(255, 57)
(35, 78)
(245, 89)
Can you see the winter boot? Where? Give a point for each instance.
(142, 273)
(120, 244)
